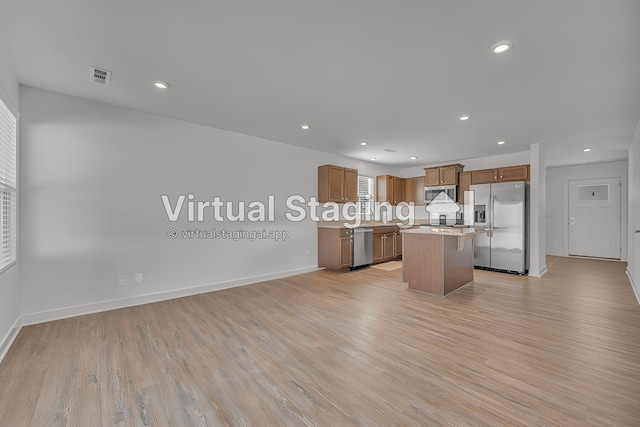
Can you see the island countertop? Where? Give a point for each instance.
(446, 231)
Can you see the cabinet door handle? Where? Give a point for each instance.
(500, 176)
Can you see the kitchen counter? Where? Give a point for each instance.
(438, 260)
(340, 224)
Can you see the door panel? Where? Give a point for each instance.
(594, 218)
(378, 245)
(482, 242)
(351, 185)
(398, 190)
(449, 175)
(336, 184)
(345, 252)
(388, 246)
(431, 177)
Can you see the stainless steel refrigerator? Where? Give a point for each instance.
(502, 208)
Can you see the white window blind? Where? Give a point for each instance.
(365, 195)
(8, 186)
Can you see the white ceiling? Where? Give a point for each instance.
(396, 74)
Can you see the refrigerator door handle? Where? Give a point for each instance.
(491, 210)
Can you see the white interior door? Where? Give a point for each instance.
(594, 218)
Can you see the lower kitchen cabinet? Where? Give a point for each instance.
(378, 247)
(397, 244)
(385, 244)
(335, 248)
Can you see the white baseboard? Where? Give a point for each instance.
(8, 339)
(538, 273)
(554, 253)
(634, 286)
(78, 310)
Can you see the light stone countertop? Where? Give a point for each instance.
(447, 231)
(341, 224)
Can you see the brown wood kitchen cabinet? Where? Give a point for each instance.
(414, 190)
(389, 189)
(335, 248)
(464, 181)
(337, 184)
(506, 174)
(442, 175)
(397, 244)
(384, 244)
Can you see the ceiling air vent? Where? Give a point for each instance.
(100, 76)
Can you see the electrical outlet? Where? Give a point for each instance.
(138, 278)
(123, 280)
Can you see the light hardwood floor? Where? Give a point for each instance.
(338, 349)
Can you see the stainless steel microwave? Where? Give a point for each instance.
(431, 193)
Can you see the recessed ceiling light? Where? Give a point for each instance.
(373, 158)
(500, 142)
(161, 85)
(305, 127)
(464, 117)
(363, 143)
(586, 150)
(414, 158)
(502, 46)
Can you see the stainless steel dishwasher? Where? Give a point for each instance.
(362, 247)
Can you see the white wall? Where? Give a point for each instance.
(557, 212)
(9, 289)
(633, 267)
(537, 203)
(91, 180)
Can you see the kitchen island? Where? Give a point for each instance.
(438, 260)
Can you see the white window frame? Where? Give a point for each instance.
(366, 200)
(8, 183)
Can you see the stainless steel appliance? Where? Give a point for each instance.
(431, 193)
(503, 209)
(362, 247)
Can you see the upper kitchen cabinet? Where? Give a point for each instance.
(514, 173)
(442, 175)
(464, 181)
(506, 174)
(337, 184)
(414, 190)
(389, 189)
